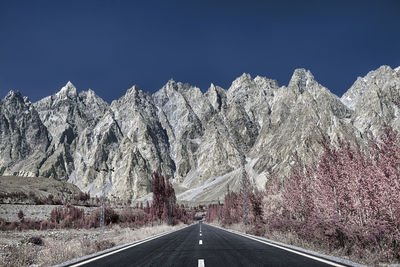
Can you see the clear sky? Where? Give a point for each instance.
(109, 46)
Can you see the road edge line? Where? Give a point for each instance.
(331, 260)
(113, 250)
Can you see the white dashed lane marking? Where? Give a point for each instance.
(200, 242)
(201, 263)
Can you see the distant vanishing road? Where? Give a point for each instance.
(203, 245)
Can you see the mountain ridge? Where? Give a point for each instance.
(195, 138)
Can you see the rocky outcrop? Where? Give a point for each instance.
(66, 116)
(182, 110)
(375, 100)
(24, 140)
(302, 114)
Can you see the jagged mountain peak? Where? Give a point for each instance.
(69, 84)
(246, 83)
(135, 92)
(215, 88)
(14, 95)
(181, 92)
(264, 82)
(180, 87)
(68, 90)
(14, 100)
(241, 80)
(374, 79)
(135, 97)
(90, 98)
(216, 96)
(300, 80)
(89, 94)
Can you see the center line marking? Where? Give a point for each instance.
(201, 263)
(200, 234)
(200, 242)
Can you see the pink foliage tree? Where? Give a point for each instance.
(348, 198)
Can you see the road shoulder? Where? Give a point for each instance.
(291, 248)
(113, 250)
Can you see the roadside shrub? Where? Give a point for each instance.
(3, 224)
(82, 197)
(67, 217)
(13, 226)
(36, 200)
(101, 245)
(50, 200)
(132, 217)
(110, 217)
(29, 224)
(36, 240)
(258, 229)
(47, 224)
(20, 215)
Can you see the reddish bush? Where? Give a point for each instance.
(13, 226)
(20, 215)
(257, 228)
(82, 197)
(110, 217)
(47, 224)
(132, 217)
(164, 199)
(29, 224)
(67, 217)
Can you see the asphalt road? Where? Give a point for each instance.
(210, 247)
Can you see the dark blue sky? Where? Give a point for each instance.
(110, 45)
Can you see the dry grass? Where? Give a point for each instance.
(63, 245)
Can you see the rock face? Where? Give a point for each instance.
(24, 139)
(198, 140)
(67, 116)
(375, 100)
(301, 115)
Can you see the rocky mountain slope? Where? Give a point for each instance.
(196, 139)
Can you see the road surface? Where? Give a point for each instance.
(203, 245)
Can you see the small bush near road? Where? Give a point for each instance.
(103, 244)
(36, 240)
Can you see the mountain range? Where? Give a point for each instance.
(195, 139)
